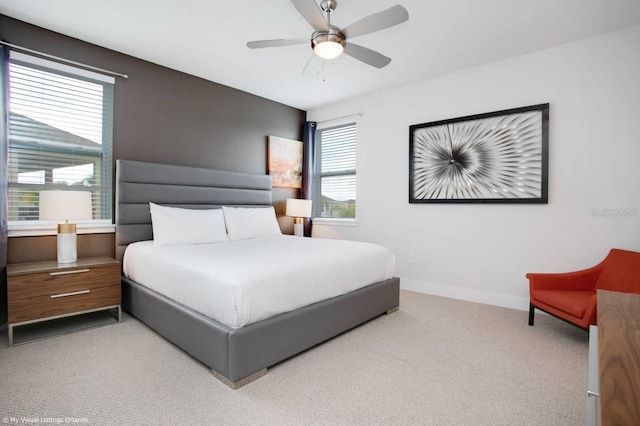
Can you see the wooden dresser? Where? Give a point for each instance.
(44, 291)
(619, 357)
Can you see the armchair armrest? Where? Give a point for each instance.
(591, 312)
(578, 280)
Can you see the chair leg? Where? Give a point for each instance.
(531, 314)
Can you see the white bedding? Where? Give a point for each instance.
(241, 282)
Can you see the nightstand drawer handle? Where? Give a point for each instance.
(75, 293)
(75, 271)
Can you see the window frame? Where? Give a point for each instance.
(318, 175)
(19, 228)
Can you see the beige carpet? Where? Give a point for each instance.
(435, 362)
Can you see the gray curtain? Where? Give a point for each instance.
(308, 149)
(4, 153)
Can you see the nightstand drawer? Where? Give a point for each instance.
(61, 281)
(62, 302)
(42, 291)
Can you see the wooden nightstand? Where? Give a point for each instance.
(43, 291)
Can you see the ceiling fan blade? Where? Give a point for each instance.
(313, 67)
(312, 13)
(276, 43)
(378, 21)
(366, 55)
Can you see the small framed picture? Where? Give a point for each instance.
(285, 162)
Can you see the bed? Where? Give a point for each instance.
(240, 355)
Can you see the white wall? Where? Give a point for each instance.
(481, 252)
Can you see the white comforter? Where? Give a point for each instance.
(241, 282)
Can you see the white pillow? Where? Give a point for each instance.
(246, 222)
(174, 226)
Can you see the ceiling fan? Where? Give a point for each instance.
(328, 41)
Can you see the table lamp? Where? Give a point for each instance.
(298, 209)
(67, 206)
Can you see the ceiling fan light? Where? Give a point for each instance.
(328, 44)
(328, 49)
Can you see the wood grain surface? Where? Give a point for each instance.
(44, 306)
(30, 293)
(619, 357)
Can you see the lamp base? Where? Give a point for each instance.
(67, 244)
(298, 229)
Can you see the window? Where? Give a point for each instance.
(335, 172)
(60, 135)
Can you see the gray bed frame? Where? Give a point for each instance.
(236, 356)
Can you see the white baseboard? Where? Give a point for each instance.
(468, 294)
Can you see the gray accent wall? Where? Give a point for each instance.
(165, 116)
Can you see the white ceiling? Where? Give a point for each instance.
(207, 38)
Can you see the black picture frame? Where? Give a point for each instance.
(495, 157)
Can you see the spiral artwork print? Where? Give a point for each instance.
(493, 157)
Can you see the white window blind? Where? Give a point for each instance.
(60, 135)
(335, 176)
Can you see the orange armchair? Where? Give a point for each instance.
(571, 296)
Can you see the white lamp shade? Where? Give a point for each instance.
(65, 205)
(298, 208)
(328, 49)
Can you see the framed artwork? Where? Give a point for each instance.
(285, 162)
(496, 157)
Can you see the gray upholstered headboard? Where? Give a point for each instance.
(138, 183)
